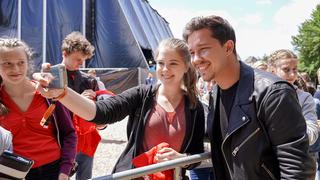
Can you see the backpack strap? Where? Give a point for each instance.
(45, 119)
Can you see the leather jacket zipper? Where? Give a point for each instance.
(236, 149)
(268, 172)
(223, 154)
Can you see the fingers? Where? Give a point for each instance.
(45, 67)
(165, 150)
(166, 154)
(48, 93)
(39, 87)
(43, 91)
(101, 127)
(63, 176)
(89, 93)
(43, 78)
(37, 76)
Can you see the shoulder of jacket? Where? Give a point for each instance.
(148, 90)
(265, 79)
(266, 82)
(142, 91)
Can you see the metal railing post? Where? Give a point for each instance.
(177, 173)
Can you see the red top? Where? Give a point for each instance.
(30, 139)
(165, 126)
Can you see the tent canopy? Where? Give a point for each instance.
(120, 30)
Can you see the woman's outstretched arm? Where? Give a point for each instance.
(80, 105)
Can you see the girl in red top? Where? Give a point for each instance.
(52, 148)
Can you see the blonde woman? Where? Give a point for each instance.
(284, 63)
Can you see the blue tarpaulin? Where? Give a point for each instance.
(63, 17)
(115, 44)
(31, 27)
(117, 28)
(135, 24)
(8, 18)
(146, 25)
(125, 33)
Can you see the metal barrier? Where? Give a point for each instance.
(175, 164)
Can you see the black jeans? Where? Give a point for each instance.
(46, 172)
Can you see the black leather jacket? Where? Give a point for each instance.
(266, 137)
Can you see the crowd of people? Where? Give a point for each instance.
(259, 121)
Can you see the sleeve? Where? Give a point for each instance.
(286, 127)
(197, 142)
(116, 108)
(310, 115)
(317, 101)
(67, 138)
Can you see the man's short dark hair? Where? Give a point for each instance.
(219, 27)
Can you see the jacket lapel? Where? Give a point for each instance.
(242, 102)
(212, 110)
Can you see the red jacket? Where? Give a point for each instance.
(148, 158)
(88, 136)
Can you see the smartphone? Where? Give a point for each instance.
(59, 74)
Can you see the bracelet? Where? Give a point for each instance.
(62, 95)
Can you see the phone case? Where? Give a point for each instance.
(60, 77)
(13, 165)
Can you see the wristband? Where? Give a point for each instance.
(62, 95)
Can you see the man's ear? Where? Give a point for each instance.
(229, 46)
(64, 54)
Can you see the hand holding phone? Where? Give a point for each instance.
(59, 76)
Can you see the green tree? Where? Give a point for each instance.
(307, 43)
(264, 58)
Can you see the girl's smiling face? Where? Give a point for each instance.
(13, 65)
(170, 66)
